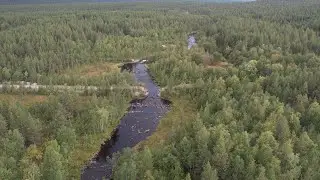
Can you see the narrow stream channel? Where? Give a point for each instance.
(140, 122)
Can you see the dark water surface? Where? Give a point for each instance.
(139, 123)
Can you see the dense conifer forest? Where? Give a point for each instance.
(245, 98)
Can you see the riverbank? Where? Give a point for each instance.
(135, 126)
(182, 111)
(141, 126)
(85, 150)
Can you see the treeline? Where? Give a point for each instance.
(37, 45)
(38, 50)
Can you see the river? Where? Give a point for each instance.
(139, 122)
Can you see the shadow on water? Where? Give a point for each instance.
(127, 67)
(135, 101)
(136, 125)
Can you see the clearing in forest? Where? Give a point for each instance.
(93, 70)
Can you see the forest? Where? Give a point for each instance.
(245, 98)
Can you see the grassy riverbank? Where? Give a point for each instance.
(182, 111)
(85, 150)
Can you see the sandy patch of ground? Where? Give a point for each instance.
(23, 99)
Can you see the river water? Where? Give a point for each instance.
(138, 123)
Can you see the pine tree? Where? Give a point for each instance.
(144, 162)
(14, 144)
(148, 175)
(186, 153)
(262, 174)
(312, 115)
(3, 126)
(209, 173)
(67, 138)
(188, 177)
(32, 172)
(103, 119)
(126, 171)
(283, 130)
(304, 144)
(52, 168)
